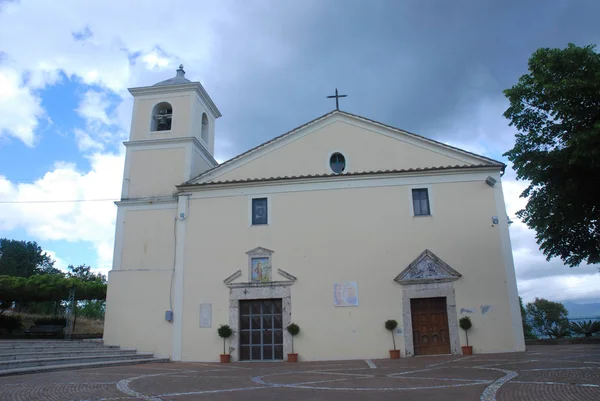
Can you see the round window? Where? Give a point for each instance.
(337, 162)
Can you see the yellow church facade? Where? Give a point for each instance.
(337, 225)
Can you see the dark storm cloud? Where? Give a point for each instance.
(417, 65)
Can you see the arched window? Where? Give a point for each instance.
(162, 116)
(204, 132)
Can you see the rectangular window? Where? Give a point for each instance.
(421, 202)
(259, 211)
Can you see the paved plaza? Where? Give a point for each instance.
(543, 373)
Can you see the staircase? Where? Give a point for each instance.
(33, 356)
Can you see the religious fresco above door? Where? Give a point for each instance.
(260, 270)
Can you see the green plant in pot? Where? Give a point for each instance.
(391, 326)
(225, 332)
(465, 324)
(293, 329)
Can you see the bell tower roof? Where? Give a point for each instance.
(178, 79)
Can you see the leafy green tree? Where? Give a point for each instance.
(92, 309)
(547, 317)
(24, 259)
(556, 110)
(527, 329)
(84, 273)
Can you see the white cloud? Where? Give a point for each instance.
(93, 108)
(154, 60)
(86, 143)
(19, 107)
(76, 222)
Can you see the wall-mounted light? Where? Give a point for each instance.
(490, 181)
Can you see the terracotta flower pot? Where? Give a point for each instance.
(467, 350)
(225, 358)
(292, 357)
(394, 354)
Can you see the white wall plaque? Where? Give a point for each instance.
(345, 294)
(205, 315)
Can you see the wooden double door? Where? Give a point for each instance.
(261, 330)
(430, 326)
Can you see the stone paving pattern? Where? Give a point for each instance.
(544, 373)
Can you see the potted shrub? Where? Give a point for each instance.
(293, 329)
(391, 326)
(465, 324)
(225, 332)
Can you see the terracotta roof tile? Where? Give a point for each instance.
(332, 175)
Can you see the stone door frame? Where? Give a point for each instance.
(253, 291)
(430, 290)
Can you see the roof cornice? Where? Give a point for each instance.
(165, 89)
(186, 187)
(223, 167)
(167, 141)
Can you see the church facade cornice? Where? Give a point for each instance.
(323, 178)
(167, 142)
(461, 156)
(170, 89)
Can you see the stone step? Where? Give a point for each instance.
(41, 345)
(19, 355)
(28, 363)
(52, 368)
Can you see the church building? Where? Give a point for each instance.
(337, 225)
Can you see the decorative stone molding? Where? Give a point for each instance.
(259, 285)
(287, 275)
(248, 291)
(230, 279)
(429, 277)
(259, 251)
(430, 290)
(427, 268)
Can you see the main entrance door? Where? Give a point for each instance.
(430, 326)
(261, 331)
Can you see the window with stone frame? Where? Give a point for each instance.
(421, 202)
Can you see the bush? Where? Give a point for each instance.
(586, 328)
(10, 323)
(391, 324)
(54, 321)
(293, 329)
(465, 323)
(224, 332)
(559, 330)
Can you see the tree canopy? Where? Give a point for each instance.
(556, 109)
(547, 317)
(24, 259)
(27, 274)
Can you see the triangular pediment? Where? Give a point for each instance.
(427, 268)
(367, 147)
(259, 250)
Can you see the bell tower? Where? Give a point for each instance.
(172, 137)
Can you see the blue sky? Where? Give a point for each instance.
(431, 67)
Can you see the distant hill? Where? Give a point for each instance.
(582, 310)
